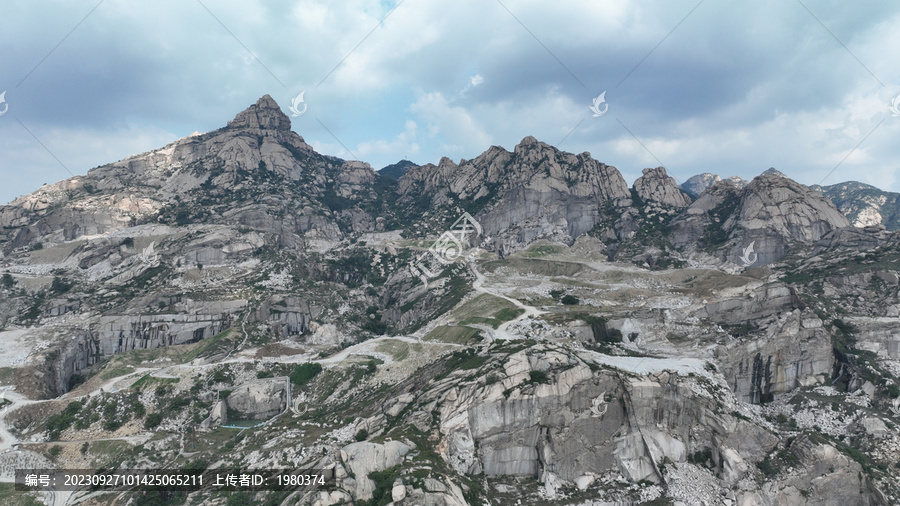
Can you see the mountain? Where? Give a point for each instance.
(696, 185)
(535, 191)
(772, 212)
(237, 300)
(397, 170)
(864, 205)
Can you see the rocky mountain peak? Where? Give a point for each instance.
(655, 185)
(772, 171)
(775, 198)
(529, 144)
(771, 213)
(265, 114)
(698, 184)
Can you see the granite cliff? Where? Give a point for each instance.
(731, 344)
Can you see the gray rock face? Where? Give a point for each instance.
(864, 205)
(859, 239)
(263, 115)
(287, 316)
(582, 422)
(534, 192)
(115, 334)
(696, 185)
(656, 186)
(257, 143)
(795, 351)
(364, 458)
(258, 400)
(757, 222)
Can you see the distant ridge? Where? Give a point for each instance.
(397, 170)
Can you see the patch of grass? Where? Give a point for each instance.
(304, 373)
(466, 359)
(110, 453)
(147, 381)
(542, 250)
(398, 350)
(11, 497)
(488, 310)
(115, 372)
(538, 267)
(7, 375)
(453, 334)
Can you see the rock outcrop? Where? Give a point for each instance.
(755, 225)
(534, 192)
(364, 458)
(582, 422)
(696, 185)
(258, 400)
(656, 186)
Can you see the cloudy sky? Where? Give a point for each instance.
(697, 86)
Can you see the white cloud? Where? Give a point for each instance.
(453, 123)
(77, 149)
(733, 88)
(402, 145)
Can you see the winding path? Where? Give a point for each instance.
(502, 332)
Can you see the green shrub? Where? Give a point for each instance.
(183, 217)
(362, 435)
(570, 300)
(54, 451)
(700, 457)
(62, 421)
(375, 326)
(304, 373)
(384, 482)
(60, 285)
(538, 377)
(893, 391)
(153, 420)
(239, 498)
(7, 281)
(767, 467)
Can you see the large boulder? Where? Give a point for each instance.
(656, 186)
(259, 399)
(364, 458)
